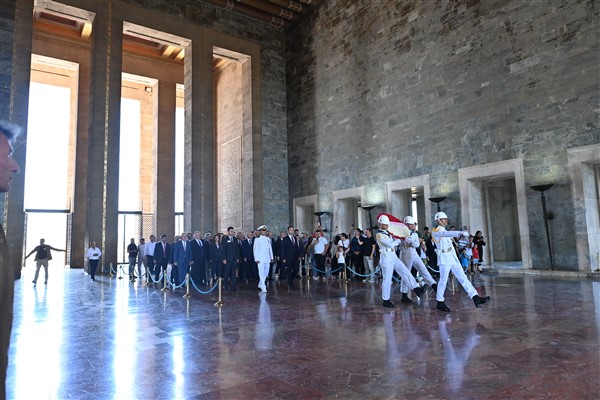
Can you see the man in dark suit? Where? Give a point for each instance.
(197, 256)
(162, 256)
(180, 258)
(280, 267)
(274, 248)
(290, 256)
(231, 258)
(247, 257)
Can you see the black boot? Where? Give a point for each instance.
(420, 291)
(442, 306)
(388, 304)
(434, 287)
(480, 300)
(405, 298)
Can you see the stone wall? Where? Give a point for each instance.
(379, 91)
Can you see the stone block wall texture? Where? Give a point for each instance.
(385, 90)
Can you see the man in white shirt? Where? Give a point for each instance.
(263, 256)
(319, 249)
(150, 255)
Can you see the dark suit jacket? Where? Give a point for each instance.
(278, 249)
(179, 255)
(215, 255)
(248, 250)
(196, 253)
(181, 258)
(161, 257)
(231, 249)
(290, 250)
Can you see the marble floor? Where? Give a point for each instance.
(75, 339)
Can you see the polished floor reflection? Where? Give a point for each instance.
(109, 339)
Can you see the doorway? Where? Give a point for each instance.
(50, 162)
(493, 201)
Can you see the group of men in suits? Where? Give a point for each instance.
(236, 260)
(187, 254)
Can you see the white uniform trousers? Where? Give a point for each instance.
(389, 264)
(415, 261)
(263, 274)
(459, 273)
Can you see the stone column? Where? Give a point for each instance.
(164, 200)
(103, 150)
(79, 204)
(199, 173)
(17, 25)
(423, 222)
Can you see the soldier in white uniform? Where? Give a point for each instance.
(390, 262)
(263, 256)
(410, 258)
(448, 261)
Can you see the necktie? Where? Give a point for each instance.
(199, 242)
(184, 245)
(164, 249)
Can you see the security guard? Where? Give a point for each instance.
(390, 262)
(448, 261)
(410, 258)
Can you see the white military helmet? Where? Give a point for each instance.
(384, 220)
(439, 215)
(409, 220)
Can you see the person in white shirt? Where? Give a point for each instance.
(319, 249)
(448, 261)
(263, 256)
(149, 262)
(93, 255)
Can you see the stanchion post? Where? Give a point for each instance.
(121, 274)
(219, 302)
(187, 286)
(148, 276)
(165, 288)
(110, 273)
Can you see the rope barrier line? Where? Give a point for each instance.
(432, 269)
(325, 272)
(201, 291)
(437, 271)
(366, 275)
(160, 276)
(173, 285)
